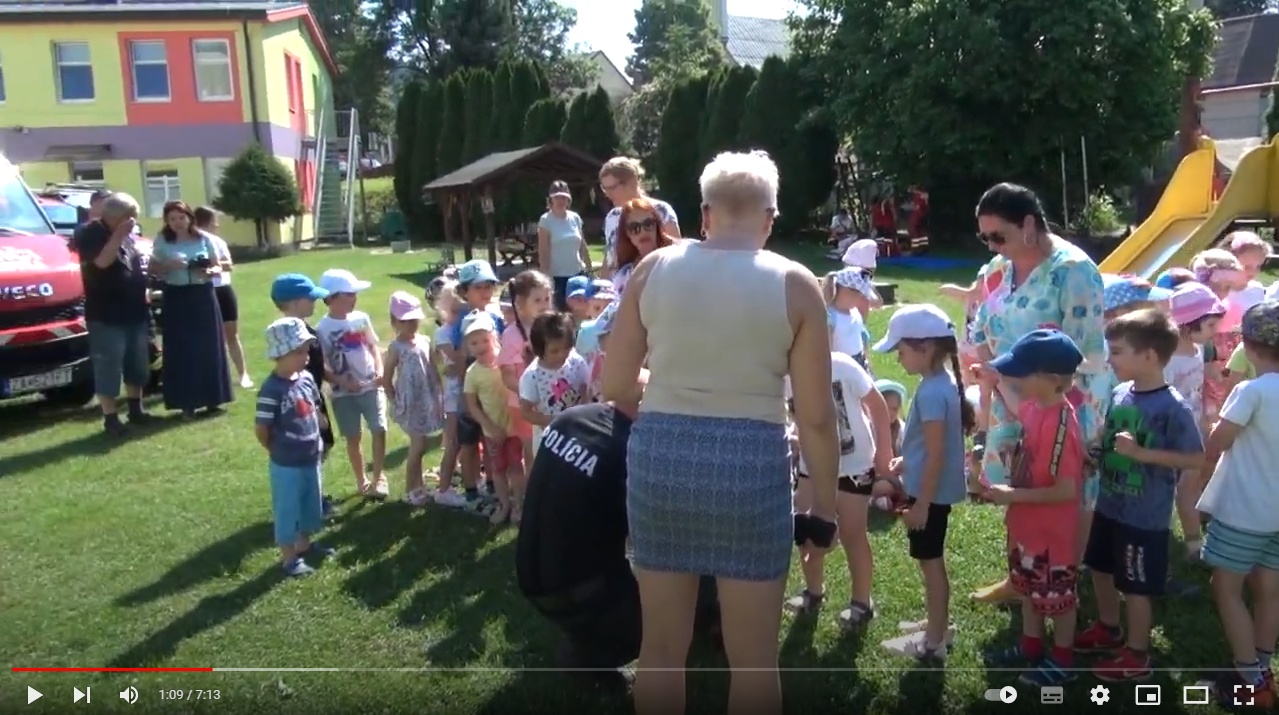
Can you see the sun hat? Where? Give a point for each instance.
(862, 253)
(340, 280)
(406, 307)
(1261, 324)
(293, 286)
(1124, 290)
(578, 287)
(1193, 301)
(478, 320)
(284, 336)
(916, 322)
(476, 271)
(1047, 350)
(854, 279)
(1174, 277)
(887, 386)
(604, 323)
(559, 188)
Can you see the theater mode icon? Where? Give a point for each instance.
(1196, 694)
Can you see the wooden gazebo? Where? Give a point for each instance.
(457, 191)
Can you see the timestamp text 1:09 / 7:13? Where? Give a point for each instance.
(190, 694)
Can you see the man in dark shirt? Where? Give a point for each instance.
(570, 559)
(115, 308)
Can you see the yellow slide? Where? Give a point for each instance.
(1187, 220)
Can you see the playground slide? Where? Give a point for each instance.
(1187, 220)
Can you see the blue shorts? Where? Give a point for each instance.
(295, 501)
(368, 407)
(119, 352)
(1136, 558)
(1239, 551)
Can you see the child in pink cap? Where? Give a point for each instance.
(415, 391)
(1197, 311)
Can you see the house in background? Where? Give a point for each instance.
(156, 98)
(608, 76)
(750, 40)
(1236, 97)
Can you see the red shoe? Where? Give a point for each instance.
(1126, 666)
(1099, 638)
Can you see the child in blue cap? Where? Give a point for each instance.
(577, 295)
(294, 296)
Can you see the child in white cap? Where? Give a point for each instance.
(287, 425)
(413, 387)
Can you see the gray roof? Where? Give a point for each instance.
(1247, 49)
(751, 40)
(550, 161)
(105, 7)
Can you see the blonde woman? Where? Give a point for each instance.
(621, 180)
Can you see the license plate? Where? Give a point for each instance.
(37, 383)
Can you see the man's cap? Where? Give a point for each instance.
(292, 286)
(284, 336)
(476, 271)
(1046, 351)
(1261, 324)
(916, 322)
(1124, 290)
(340, 280)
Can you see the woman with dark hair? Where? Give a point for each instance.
(561, 249)
(206, 219)
(640, 231)
(195, 364)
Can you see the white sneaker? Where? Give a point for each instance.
(417, 497)
(245, 381)
(449, 498)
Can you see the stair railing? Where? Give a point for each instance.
(354, 163)
(321, 151)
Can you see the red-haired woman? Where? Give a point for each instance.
(640, 231)
(195, 365)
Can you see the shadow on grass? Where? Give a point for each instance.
(216, 560)
(94, 444)
(210, 612)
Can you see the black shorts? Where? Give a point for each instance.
(929, 543)
(1136, 558)
(469, 432)
(859, 485)
(227, 303)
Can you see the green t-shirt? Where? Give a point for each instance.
(1239, 363)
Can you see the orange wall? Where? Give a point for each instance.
(184, 106)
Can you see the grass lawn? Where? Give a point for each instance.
(157, 552)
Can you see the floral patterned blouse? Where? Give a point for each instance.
(1064, 292)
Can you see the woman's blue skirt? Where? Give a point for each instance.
(195, 370)
(710, 496)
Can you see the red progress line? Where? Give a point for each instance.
(113, 670)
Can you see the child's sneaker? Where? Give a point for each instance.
(320, 550)
(1099, 638)
(1011, 657)
(417, 497)
(1126, 665)
(918, 648)
(857, 616)
(380, 488)
(327, 507)
(297, 567)
(1047, 674)
(450, 498)
(805, 602)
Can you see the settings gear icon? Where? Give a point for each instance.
(1100, 695)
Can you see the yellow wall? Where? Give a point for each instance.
(273, 91)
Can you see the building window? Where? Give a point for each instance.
(213, 170)
(75, 71)
(88, 172)
(213, 70)
(162, 186)
(150, 71)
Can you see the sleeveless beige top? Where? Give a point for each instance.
(719, 337)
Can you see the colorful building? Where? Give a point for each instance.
(155, 98)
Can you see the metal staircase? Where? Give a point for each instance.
(336, 181)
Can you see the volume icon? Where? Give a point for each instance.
(129, 695)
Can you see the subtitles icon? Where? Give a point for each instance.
(1052, 695)
(1148, 695)
(1196, 695)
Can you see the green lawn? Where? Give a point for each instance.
(157, 552)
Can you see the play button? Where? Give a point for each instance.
(33, 695)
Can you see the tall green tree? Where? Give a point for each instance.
(577, 125)
(542, 29)
(678, 140)
(476, 32)
(360, 38)
(601, 139)
(500, 122)
(723, 129)
(525, 90)
(544, 122)
(452, 125)
(717, 78)
(406, 118)
(479, 109)
(771, 110)
(426, 160)
(675, 39)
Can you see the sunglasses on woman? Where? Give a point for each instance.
(991, 239)
(635, 227)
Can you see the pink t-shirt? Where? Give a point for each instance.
(512, 353)
(1052, 445)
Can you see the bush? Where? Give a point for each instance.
(256, 187)
(379, 198)
(1099, 217)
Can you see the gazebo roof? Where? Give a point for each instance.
(548, 162)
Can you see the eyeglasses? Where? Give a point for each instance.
(608, 188)
(991, 239)
(635, 227)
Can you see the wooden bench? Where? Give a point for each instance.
(518, 248)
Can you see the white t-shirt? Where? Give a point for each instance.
(553, 391)
(1244, 490)
(850, 383)
(1186, 375)
(1252, 294)
(221, 252)
(1272, 293)
(841, 224)
(847, 331)
(349, 346)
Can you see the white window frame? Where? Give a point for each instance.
(163, 179)
(133, 67)
(225, 62)
(80, 167)
(58, 64)
(213, 170)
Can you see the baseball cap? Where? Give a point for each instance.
(578, 287)
(340, 280)
(916, 322)
(1122, 290)
(862, 253)
(1192, 301)
(604, 323)
(855, 279)
(406, 307)
(476, 271)
(602, 288)
(1174, 277)
(284, 336)
(292, 286)
(559, 188)
(886, 386)
(478, 320)
(1261, 323)
(1040, 351)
